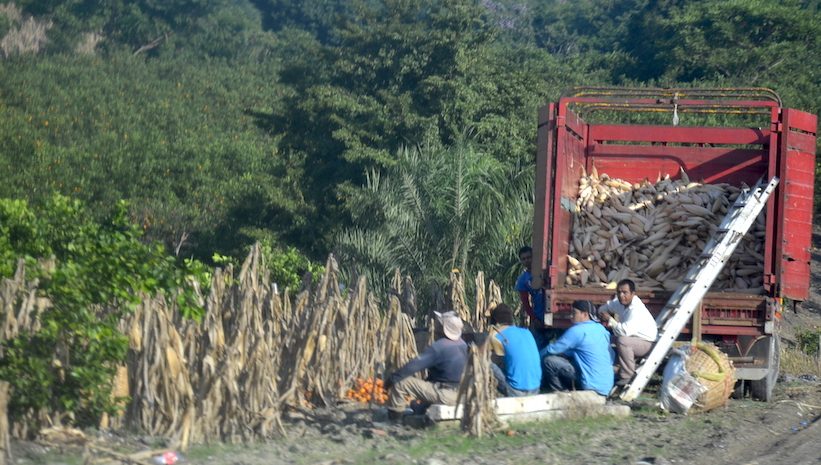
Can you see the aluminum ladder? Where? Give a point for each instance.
(699, 278)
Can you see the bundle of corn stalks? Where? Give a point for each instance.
(20, 308)
(256, 351)
(486, 297)
(219, 383)
(254, 354)
(19, 305)
(5, 443)
(360, 329)
(458, 301)
(653, 233)
(397, 333)
(163, 398)
(477, 393)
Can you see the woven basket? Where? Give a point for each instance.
(715, 371)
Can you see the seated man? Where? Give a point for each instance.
(634, 327)
(522, 375)
(587, 345)
(445, 361)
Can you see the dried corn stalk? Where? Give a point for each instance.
(408, 299)
(20, 310)
(477, 393)
(480, 313)
(360, 347)
(20, 306)
(5, 443)
(494, 295)
(228, 377)
(397, 333)
(653, 233)
(487, 297)
(458, 302)
(163, 399)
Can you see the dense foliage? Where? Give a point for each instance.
(309, 126)
(437, 209)
(259, 119)
(92, 273)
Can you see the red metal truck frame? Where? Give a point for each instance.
(741, 323)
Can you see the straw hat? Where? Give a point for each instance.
(451, 325)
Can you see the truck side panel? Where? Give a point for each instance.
(797, 168)
(545, 154)
(571, 144)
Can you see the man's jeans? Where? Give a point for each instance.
(559, 374)
(425, 391)
(506, 389)
(628, 350)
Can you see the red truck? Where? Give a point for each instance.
(597, 128)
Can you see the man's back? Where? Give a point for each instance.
(523, 368)
(588, 343)
(450, 358)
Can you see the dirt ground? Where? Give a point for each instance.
(785, 431)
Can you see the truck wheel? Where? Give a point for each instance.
(762, 389)
(739, 389)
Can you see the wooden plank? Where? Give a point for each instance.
(801, 120)
(519, 405)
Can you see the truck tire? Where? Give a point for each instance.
(740, 389)
(762, 389)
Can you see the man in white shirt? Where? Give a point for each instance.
(633, 326)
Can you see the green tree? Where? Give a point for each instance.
(173, 136)
(206, 27)
(748, 42)
(438, 208)
(394, 72)
(92, 274)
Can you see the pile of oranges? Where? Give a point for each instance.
(368, 390)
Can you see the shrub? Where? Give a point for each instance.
(809, 339)
(96, 274)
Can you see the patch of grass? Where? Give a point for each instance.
(561, 434)
(54, 456)
(796, 362)
(201, 453)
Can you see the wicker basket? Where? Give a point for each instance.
(715, 371)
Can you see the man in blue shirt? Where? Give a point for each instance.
(522, 374)
(582, 357)
(533, 300)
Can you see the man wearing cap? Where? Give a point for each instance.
(581, 357)
(445, 361)
(632, 324)
(522, 373)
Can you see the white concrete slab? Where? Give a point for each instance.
(528, 404)
(614, 410)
